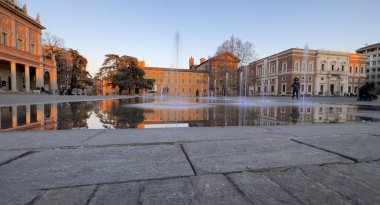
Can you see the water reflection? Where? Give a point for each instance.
(115, 114)
(29, 117)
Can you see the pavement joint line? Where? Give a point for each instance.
(353, 179)
(189, 160)
(35, 199)
(326, 150)
(287, 191)
(92, 195)
(18, 157)
(97, 134)
(136, 144)
(237, 188)
(328, 187)
(141, 192)
(275, 170)
(118, 182)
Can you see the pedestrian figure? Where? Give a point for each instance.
(296, 87)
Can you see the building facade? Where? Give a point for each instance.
(216, 76)
(181, 82)
(321, 73)
(22, 66)
(223, 73)
(373, 63)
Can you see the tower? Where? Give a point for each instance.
(191, 62)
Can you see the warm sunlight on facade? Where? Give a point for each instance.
(22, 67)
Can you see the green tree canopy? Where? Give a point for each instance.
(124, 72)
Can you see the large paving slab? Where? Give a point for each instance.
(44, 139)
(360, 147)
(367, 173)
(328, 129)
(345, 185)
(307, 190)
(6, 156)
(66, 196)
(179, 135)
(259, 189)
(61, 168)
(209, 189)
(11, 195)
(242, 155)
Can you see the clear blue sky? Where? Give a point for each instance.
(146, 28)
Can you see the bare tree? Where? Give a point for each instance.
(52, 42)
(243, 50)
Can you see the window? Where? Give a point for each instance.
(321, 89)
(361, 70)
(19, 44)
(283, 78)
(309, 88)
(296, 66)
(310, 67)
(350, 69)
(283, 87)
(309, 78)
(302, 87)
(4, 38)
(272, 89)
(342, 68)
(356, 70)
(332, 67)
(284, 67)
(322, 78)
(32, 49)
(349, 89)
(323, 67)
(303, 66)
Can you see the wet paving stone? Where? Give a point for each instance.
(243, 155)
(360, 147)
(61, 168)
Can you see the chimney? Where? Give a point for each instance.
(203, 60)
(38, 20)
(191, 62)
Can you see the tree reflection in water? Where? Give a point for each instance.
(115, 115)
(74, 114)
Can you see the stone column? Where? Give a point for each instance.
(53, 80)
(13, 77)
(39, 77)
(27, 78)
(27, 114)
(41, 114)
(54, 114)
(14, 116)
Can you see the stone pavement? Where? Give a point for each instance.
(303, 164)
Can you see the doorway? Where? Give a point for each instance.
(332, 89)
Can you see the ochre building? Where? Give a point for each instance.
(216, 75)
(321, 73)
(22, 66)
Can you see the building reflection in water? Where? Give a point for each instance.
(112, 114)
(29, 117)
